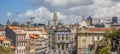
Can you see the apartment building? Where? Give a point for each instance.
(17, 35)
(38, 39)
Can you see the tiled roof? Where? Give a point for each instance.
(36, 29)
(12, 47)
(2, 38)
(17, 29)
(14, 27)
(33, 36)
(2, 29)
(101, 29)
(33, 29)
(6, 40)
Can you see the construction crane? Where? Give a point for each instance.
(30, 21)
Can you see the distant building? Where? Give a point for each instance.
(39, 25)
(114, 20)
(15, 23)
(8, 23)
(89, 20)
(99, 25)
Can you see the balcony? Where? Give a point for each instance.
(41, 47)
(65, 41)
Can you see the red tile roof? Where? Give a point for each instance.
(36, 29)
(2, 29)
(101, 29)
(14, 27)
(12, 47)
(2, 38)
(17, 29)
(33, 36)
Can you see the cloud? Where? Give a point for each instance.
(8, 14)
(42, 15)
(77, 8)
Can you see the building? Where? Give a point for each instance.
(50, 32)
(37, 38)
(8, 23)
(55, 19)
(17, 35)
(2, 31)
(87, 38)
(89, 20)
(114, 20)
(62, 38)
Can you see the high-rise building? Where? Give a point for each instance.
(89, 20)
(114, 20)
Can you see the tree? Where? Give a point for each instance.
(4, 50)
(111, 38)
(106, 49)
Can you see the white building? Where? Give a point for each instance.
(39, 39)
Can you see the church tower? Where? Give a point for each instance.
(8, 23)
(55, 19)
(49, 24)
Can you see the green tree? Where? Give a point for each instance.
(106, 49)
(4, 50)
(110, 38)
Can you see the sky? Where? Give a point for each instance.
(68, 11)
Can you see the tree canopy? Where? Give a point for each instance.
(4, 50)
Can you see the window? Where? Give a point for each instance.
(58, 45)
(84, 42)
(98, 38)
(62, 37)
(2, 33)
(92, 38)
(66, 37)
(63, 46)
(58, 37)
(66, 45)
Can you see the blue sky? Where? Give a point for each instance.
(14, 7)
(67, 11)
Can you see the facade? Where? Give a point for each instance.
(17, 35)
(62, 38)
(50, 32)
(87, 38)
(37, 38)
(2, 31)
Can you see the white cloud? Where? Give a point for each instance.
(41, 15)
(57, 2)
(8, 14)
(99, 9)
(77, 8)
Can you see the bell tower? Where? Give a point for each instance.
(55, 19)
